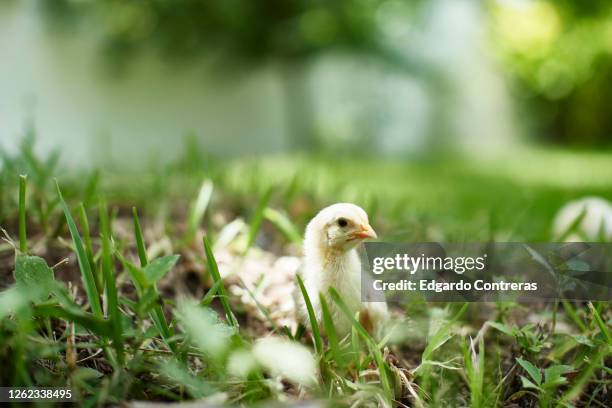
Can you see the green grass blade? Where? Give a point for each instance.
(86, 274)
(210, 295)
(142, 252)
(571, 313)
(579, 384)
(330, 330)
(199, 207)
(23, 240)
(91, 188)
(89, 247)
(258, 217)
(338, 300)
(442, 335)
(142, 285)
(600, 323)
(157, 314)
(314, 325)
(159, 319)
(284, 224)
(214, 272)
(136, 274)
(475, 372)
(372, 346)
(90, 322)
(109, 279)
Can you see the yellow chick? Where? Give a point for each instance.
(331, 260)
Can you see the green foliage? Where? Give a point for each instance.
(86, 273)
(142, 252)
(214, 272)
(23, 239)
(204, 329)
(160, 348)
(89, 247)
(146, 278)
(199, 206)
(383, 367)
(529, 339)
(330, 329)
(558, 54)
(545, 385)
(475, 372)
(114, 313)
(250, 31)
(258, 217)
(158, 268)
(314, 324)
(283, 223)
(34, 277)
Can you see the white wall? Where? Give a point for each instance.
(60, 81)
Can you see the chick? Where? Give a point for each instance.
(331, 260)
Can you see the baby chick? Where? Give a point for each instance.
(331, 260)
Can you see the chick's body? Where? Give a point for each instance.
(331, 260)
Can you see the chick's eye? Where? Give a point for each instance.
(342, 222)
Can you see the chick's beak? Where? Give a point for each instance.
(366, 231)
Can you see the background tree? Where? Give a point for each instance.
(559, 58)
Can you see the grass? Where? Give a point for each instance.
(214, 271)
(23, 241)
(114, 323)
(87, 275)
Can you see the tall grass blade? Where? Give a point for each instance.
(157, 314)
(91, 188)
(109, 278)
(23, 240)
(584, 377)
(89, 247)
(314, 325)
(600, 323)
(89, 281)
(199, 207)
(140, 245)
(214, 272)
(442, 335)
(330, 330)
(571, 312)
(284, 224)
(338, 300)
(210, 294)
(474, 370)
(258, 217)
(372, 346)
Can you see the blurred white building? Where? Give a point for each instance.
(59, 81)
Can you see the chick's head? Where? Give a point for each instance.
(340, 227)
